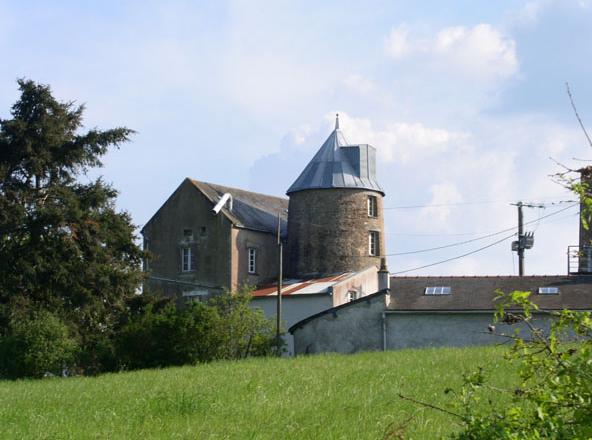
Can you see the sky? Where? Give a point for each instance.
(465, 102)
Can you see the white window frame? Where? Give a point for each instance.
(372, 206)
(549, 290)
(374, 243)
(352, 295)
(438, 290)
(252, 260)
(186, 255)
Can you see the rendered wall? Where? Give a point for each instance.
(294, 309)
(358, 327)
(418, 330)
(328, 231)
(188, 208)
(267, 257)
(351, 328)
(364, 283)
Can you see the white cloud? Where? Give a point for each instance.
(443, 193)
(359, 84)
(481, 51)
(399, 141)
(398, 44)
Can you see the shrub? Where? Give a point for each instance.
(36, 344)
(246, 331)
(158, 334)
(169, 336)
(553, 397)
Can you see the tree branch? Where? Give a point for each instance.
(576, 112)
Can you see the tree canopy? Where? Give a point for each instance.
(63, 246)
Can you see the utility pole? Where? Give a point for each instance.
(520, 234)
(279, 286)
(525, 240)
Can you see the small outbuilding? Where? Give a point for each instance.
(432, 312)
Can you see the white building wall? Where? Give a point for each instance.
(294, 308)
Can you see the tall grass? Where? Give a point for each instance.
(316, 397)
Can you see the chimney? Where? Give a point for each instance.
(384, 281)
(585, 243)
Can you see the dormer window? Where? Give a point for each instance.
(372, 206)
(548, 290)
(438, 290)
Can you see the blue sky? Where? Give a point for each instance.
(465, 102)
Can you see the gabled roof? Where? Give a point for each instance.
(478, 293)
(250, 210)
(339, 165)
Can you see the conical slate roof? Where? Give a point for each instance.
(339, 165)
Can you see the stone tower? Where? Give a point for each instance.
(335, 214)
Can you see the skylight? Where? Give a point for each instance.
(548, 290)
(438, 290)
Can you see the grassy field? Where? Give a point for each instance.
(315, 397)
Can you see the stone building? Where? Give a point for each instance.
(207, 238)
(456, 311)
(335, 220)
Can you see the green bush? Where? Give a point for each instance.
(244, 331)
(552, 398)
(36, 344)
(169, 336)
(159, 334)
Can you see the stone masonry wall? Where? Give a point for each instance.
(328, 231)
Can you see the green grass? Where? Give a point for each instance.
(315, 397)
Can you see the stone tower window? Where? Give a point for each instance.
(372, 206)
(252, 260)
(373, 247)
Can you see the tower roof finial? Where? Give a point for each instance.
(337, 121)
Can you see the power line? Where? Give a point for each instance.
(483, 202)
(476, 239)
(476, 250)
(454, 258)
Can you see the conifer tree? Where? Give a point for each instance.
(63, 246)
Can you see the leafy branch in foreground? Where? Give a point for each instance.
(553, 398)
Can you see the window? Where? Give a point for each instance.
(548, 290)
(203, 231)
(373, 248)
(438, 290)
(372, 206)
(186, 265)
(352, 295)
(195, 294)
(188, 234)
(252, 260)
